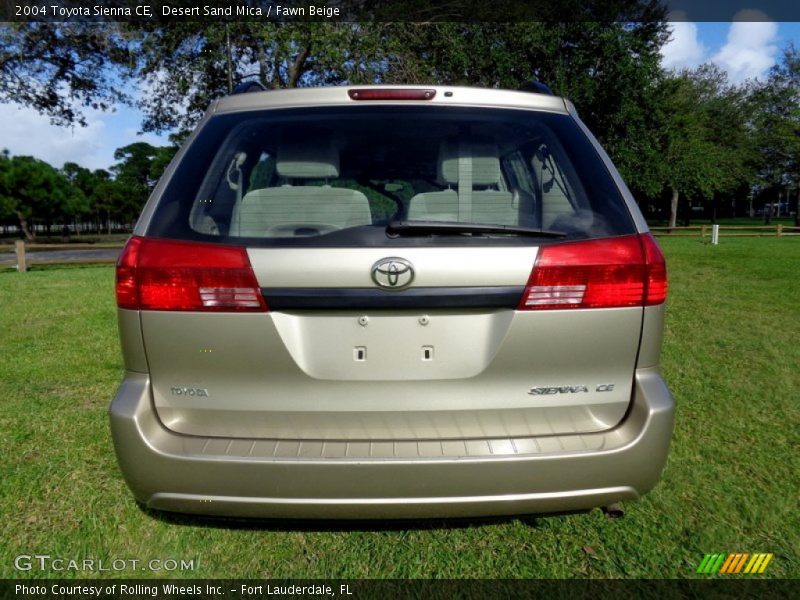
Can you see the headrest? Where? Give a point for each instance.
(310, 160)
(481, 157)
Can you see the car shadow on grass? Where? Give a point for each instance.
(344, 525)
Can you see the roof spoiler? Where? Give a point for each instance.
(535, 87)
(249, 86)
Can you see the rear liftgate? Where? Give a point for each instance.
(320, 344)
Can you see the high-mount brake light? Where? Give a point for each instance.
(606, 273)
(391, 94)
(154, 274)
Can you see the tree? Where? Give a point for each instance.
(703, 144)
(110, 197)
(187, 65)
(57, 68)
(608, 68)
(135, 175)
(161, 160)
(7, 203)
(82, 183)
(777, 126)
(88, 195)
(33, 190)
(605, 60)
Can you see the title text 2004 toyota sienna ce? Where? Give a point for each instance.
(390, 302)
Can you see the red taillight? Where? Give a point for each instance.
(157, 274)
(656, 271)
(391, 94)
(127, 292)
(614, 272)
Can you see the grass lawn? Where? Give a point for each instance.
(731, 357)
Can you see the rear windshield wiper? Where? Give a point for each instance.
(399, 227)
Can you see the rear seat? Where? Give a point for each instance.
(466, 166)
(299, 210)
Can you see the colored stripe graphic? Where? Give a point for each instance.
(765, 563)
(754, 562)
(739, 566)
(732, 558)
(704, 563)
(734, 562)
(717, 564)
(738, 561)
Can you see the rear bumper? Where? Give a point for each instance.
(175, 472)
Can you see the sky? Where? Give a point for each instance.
(744, 49)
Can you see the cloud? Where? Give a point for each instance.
(27, 133)
(684, 49)
(750, 50)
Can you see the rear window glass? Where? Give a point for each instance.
(340, 176)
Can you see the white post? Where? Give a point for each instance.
(19, 249)
(714, 235)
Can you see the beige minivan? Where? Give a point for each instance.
(378, 302)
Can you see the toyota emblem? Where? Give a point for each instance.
(392, 273)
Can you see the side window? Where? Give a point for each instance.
(233, 175)
(263, 173)
(556, 196)
(514, 166)
(561, 204)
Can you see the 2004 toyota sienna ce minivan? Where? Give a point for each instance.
(390, 302)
